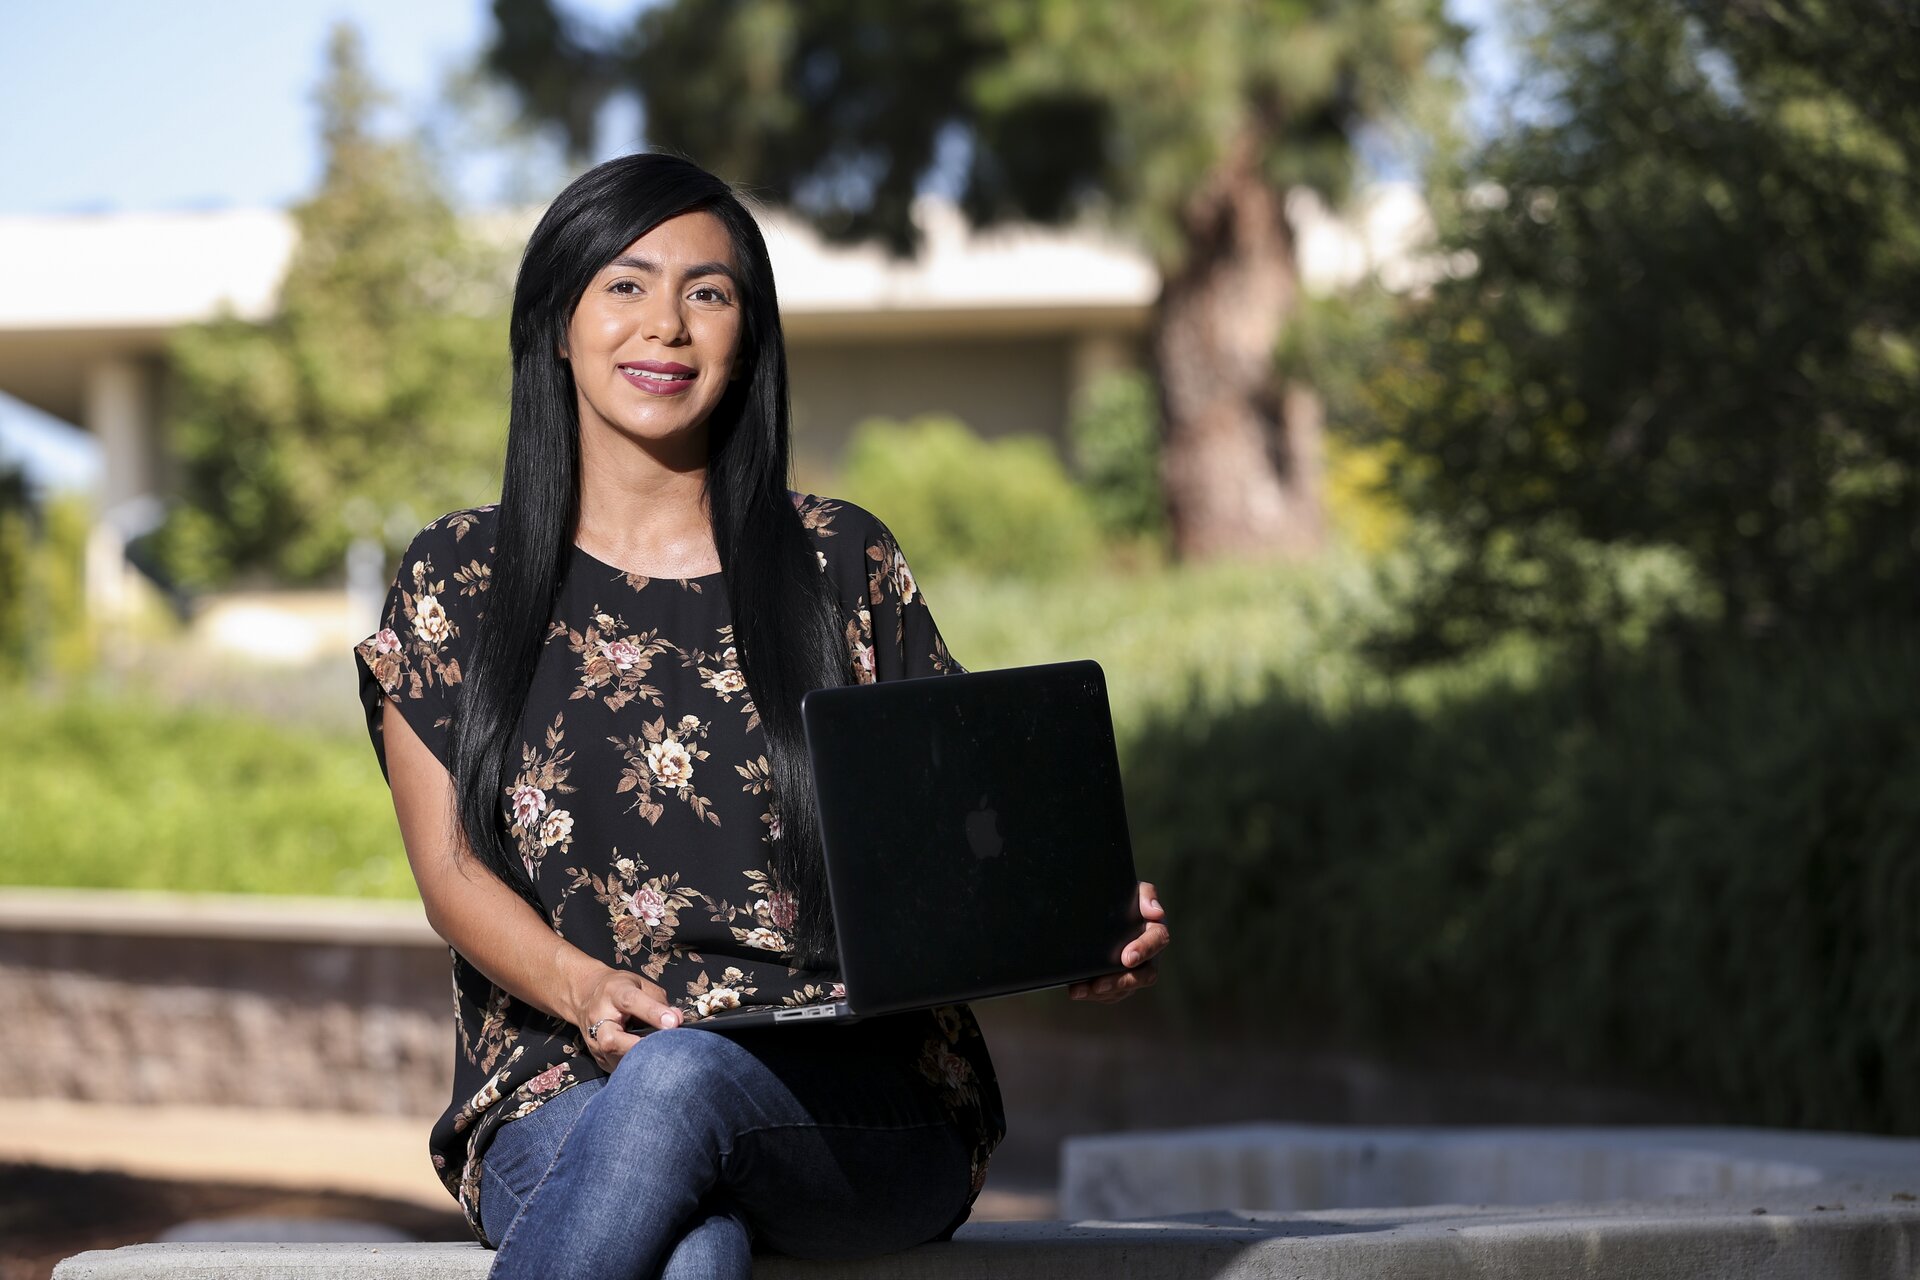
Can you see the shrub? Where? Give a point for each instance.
(44, 629)
(1691, 874)
(1115, 436)
(109, 790)
(955, 500)
(1448, 597)
(16, 542)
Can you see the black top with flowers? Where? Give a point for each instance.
(642, 807)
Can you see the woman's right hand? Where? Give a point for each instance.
(613, 998)
(503, 935)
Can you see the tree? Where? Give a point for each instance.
(1695, 318)
(1184, 122)
(374, 396)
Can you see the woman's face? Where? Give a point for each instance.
(668, 304)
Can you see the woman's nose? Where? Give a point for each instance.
(663, 319)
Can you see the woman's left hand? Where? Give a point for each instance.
(1138, 957)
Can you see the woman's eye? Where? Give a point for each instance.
(616, 285)
(707, 288)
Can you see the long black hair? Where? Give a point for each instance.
(784, 619)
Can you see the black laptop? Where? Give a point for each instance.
(975, 838)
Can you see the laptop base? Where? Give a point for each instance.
(746, 1016)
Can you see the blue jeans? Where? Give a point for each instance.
(701, 1146)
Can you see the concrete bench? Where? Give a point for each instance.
(1867, 1235)
(1288, 1167)
(1637, 1204)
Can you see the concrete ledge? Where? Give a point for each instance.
(1879, 1239)
(258, 917)
(1290, 1167)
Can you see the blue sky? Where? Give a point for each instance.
(107, 104)
(110, 105)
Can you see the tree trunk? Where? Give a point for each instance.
(1241, 457)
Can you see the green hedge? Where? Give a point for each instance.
(1003, 506)
(1697, 876)
(112, 791)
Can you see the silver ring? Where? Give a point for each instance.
(593, 1032)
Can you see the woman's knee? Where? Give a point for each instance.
(845, 1193)
(681, 1059)
(682, 1072)
(716, 1246)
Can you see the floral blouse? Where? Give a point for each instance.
(643, 808)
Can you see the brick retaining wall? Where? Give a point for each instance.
(136, 998)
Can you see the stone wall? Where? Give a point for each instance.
(133, 998)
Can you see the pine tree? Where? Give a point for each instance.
(374, 397)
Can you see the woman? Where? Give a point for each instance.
(585, 700)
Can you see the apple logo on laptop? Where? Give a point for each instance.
(983, 831)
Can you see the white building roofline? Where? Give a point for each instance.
(139, 270)
(154, 271)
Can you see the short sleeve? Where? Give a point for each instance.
(905, 640)
(414, 657)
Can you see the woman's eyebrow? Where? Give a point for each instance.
(697, 269)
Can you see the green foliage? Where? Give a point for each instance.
(16, 545)
(838, 106)
(1361, 509)
(59, 570)
(1114, 434)
(44, 629)
(1194, 640)
(997, 506)
(1544, 581)
(1694, 315)
(1331, 345)
(106, 791)
(1144, 105)
(381, 378)
(1693, 875)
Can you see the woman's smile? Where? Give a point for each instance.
(658, 378)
